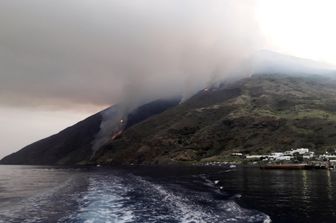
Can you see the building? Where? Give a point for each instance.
(327, 156)
(279, 156)
(236, 154)
(255, 156)
(308, 155)
(300, 151)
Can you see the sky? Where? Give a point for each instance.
(61, 61)
(303, 28)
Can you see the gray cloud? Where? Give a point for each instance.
(100, 52)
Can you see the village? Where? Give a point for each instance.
(298, 154)
(296, 158)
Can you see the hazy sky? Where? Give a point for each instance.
(304, 28)
(63, 60)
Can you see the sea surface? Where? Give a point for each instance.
(165, 194)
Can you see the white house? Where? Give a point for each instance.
(254, 156)
(300, 151)
(236, 154)
(328, 156)
(279, 156)
(308, 155)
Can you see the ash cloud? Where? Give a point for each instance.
(103, 52)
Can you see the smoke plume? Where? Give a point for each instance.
(71, 52)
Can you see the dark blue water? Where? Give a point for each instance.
(157, 194)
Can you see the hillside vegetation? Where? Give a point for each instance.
(260, 114)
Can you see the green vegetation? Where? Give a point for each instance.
(260, 114)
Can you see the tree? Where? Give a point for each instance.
(298, 157)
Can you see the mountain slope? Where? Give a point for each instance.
(69, 146)
(74, 144)
(259, 114)
(255, 115)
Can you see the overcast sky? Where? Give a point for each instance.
(62, 60)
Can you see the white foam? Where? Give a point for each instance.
(187, 211)
(125, 198)
(103, 202)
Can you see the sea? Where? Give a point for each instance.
(30, 194)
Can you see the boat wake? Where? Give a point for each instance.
(104, 201)
(113, 198)
(122, 197)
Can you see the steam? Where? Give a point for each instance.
(75, 52)
(113, 123)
